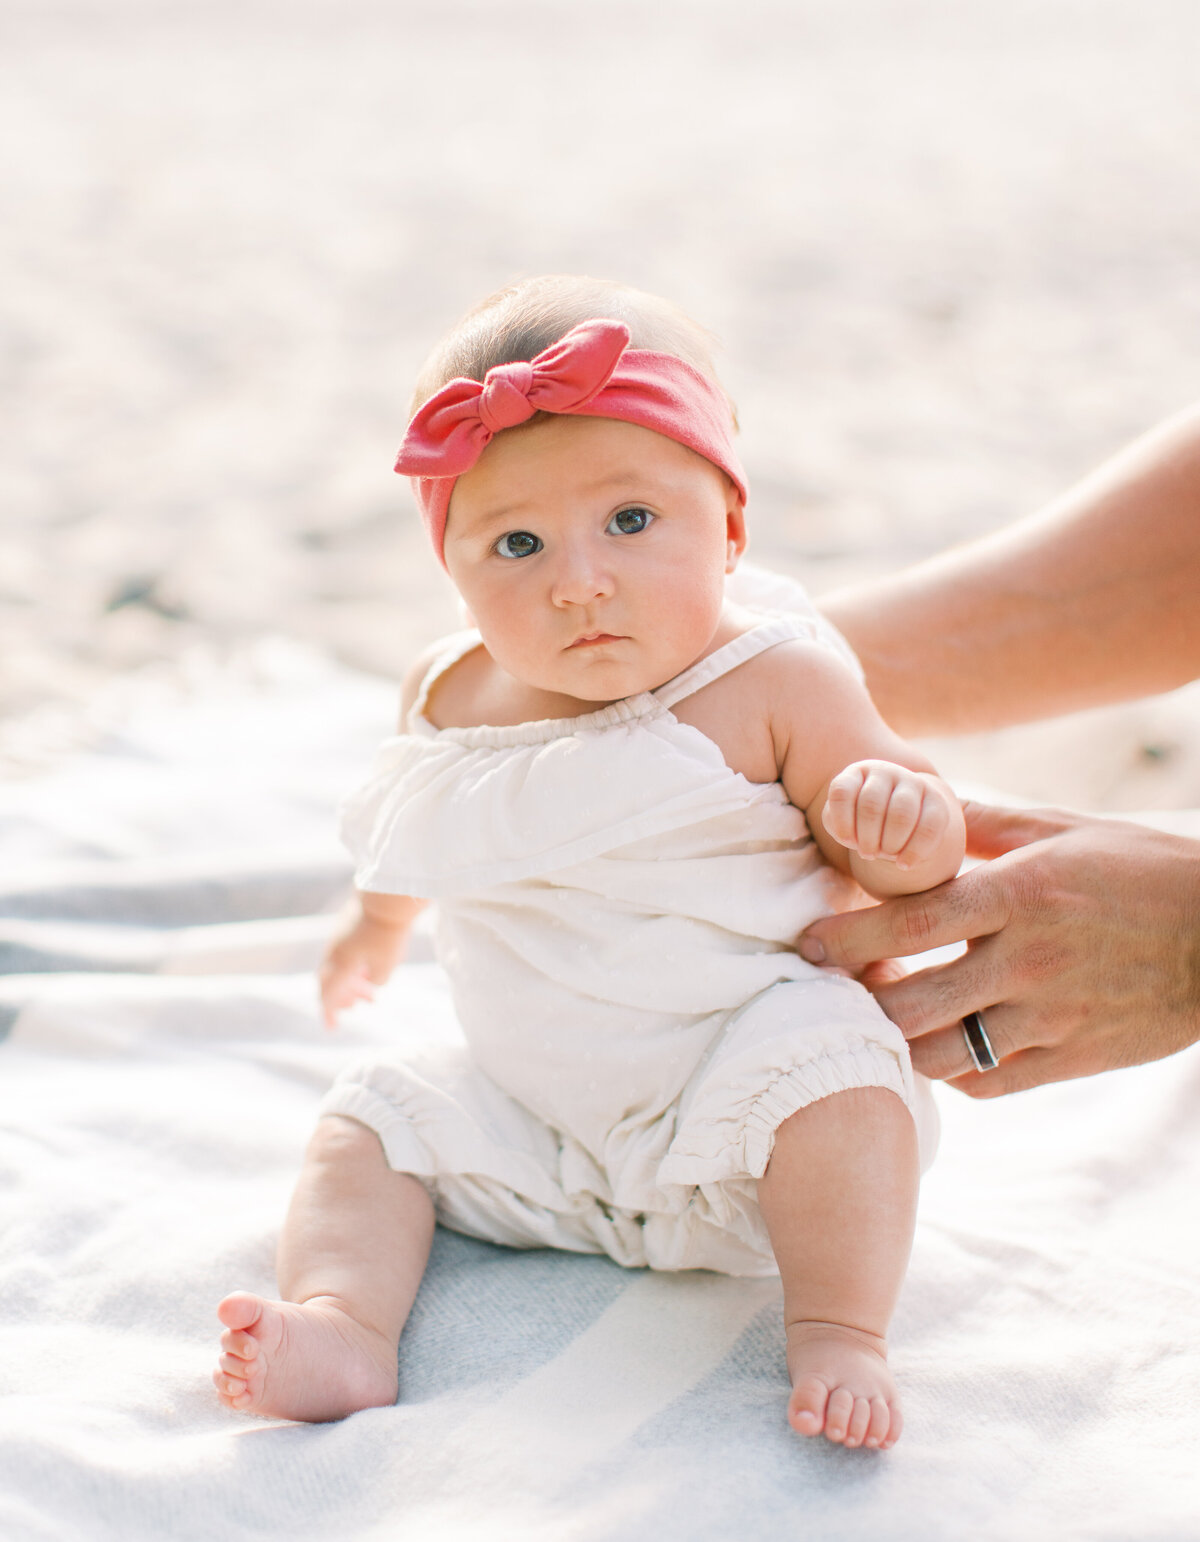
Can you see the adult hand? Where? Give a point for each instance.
(1083, 950)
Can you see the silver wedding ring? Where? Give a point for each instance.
(979, 1046)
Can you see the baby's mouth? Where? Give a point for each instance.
(595, 639)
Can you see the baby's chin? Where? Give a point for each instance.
(600, 672)
(594, 683)
(591, 674)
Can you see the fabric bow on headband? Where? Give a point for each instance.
(590, 372)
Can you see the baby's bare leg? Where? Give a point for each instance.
(839, 1198)
(351, 1257)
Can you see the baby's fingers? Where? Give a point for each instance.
(871, 808)
(927, 832)
(902, 819)
(339, 991)
(838, 813)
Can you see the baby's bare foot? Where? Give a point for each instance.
(310, 1361)
(841, 1386)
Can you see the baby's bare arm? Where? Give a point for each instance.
(374, 935)
(875, 806)
(364, 952)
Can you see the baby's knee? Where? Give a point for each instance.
(340, 1141)
(852, 1109)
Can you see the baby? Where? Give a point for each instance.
(627, 794)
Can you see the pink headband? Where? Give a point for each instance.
(590, 372)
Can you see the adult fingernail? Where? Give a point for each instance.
(811, 949)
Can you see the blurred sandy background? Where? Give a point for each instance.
(951, 248)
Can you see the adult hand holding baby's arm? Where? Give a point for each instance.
(903, 829)
(1083, 949)
(364, 953)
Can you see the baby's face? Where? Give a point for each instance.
(592, 554)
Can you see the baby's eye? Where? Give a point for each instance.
(518, 543)
(629, 521)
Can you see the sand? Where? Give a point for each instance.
(950, 248)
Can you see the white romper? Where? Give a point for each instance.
(616, 910)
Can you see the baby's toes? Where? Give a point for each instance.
(232, 1390)
(243, 1345)
(838, 1413)
(894, 1428)
(881, 1422)
(240, 1310)
(860, 1420)
(806, 1409)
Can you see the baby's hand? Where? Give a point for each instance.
(361, 958)
(886, 813)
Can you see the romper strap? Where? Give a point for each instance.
(747, 646)
(456, 647)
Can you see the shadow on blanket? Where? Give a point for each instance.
(163, 901)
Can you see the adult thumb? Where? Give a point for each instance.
(992, 831)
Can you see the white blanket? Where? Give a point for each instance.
(162, 900)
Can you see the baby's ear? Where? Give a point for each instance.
(735, 526)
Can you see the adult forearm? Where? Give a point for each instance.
(1094, 599)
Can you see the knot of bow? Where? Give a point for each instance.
(449, 432)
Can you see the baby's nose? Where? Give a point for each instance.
(581, 576)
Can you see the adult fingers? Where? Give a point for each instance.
(943, 1055)
(940, 997)
(993, 831)
(1018, 1073)
(882, 973)
(975, 904)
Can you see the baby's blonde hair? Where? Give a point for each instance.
(520, 321)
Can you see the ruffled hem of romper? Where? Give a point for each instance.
(405, 1106)
(708, 1151)
(403, 1148)
(481, 1183)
